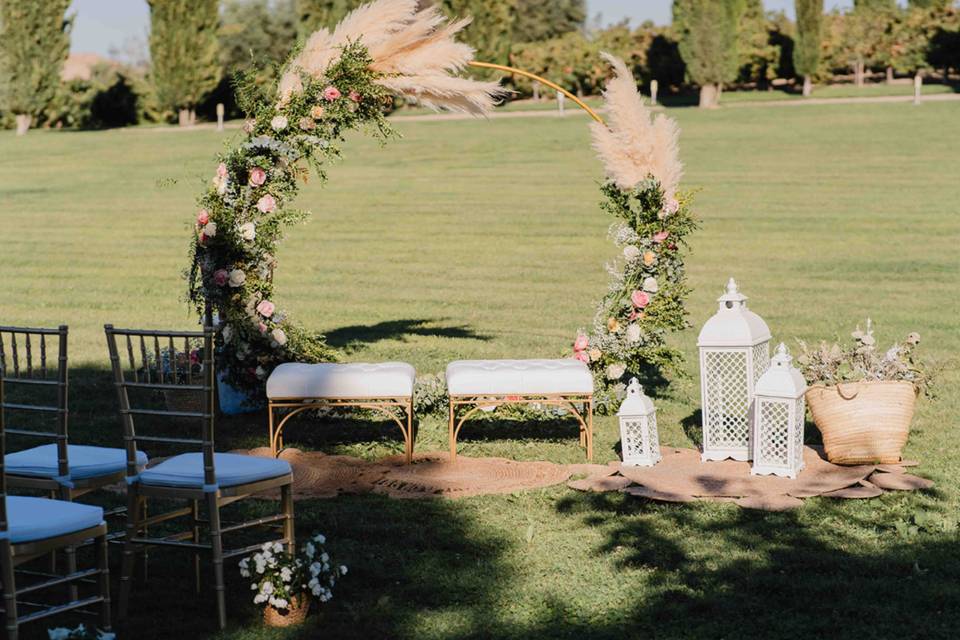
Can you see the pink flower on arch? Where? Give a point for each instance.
(660, 236)
(266, 308)
(221, 170)
(640, 299)
(262, 327)
(267, 204)
(581, 343)
(203, 217)
(331, 93)
(354, 96)
(257, 176)
(582, 356)
(220, 277)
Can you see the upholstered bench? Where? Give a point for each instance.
(479, 384)
(385, 387)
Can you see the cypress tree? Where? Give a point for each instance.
(315, 14)
(184, 49)
(707, 32)
(34, 42)
(806, 49)
(538, 20)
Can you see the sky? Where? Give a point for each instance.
(102, 26)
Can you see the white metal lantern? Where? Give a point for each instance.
(778, 416)
(638, 428)
(734, 352)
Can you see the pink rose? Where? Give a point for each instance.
(582, 356)
(203, 218)
(262, 327)
(671, 206)
(266, 308)
(331, 93)
(354, 96)
(257, 176)
(581, 343)
(220, 277)
(221, 170)
(640, 299)
(266, 204)
(249, 126)
(661, 236)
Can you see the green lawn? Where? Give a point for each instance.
(484, 239)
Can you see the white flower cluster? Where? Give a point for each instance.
(80, 633)
(279, 576)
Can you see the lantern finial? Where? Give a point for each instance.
(634, 388)
(732, 287)
(782, 357)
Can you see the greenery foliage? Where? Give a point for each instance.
(317, 14)
(806, 51)
(647, 290)
(34, 42)
(538, 20)
(707, 32)
(491, 31)
(184, 51)
(242, 213)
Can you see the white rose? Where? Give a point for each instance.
(279, 336)
(633, 333)
(279, 123)
(221, 184)
(261, 373)
(650, 285)
(237, 278)
(248, 231)
(615, 371)
(631, 253)
(210, 229)
(227, 333)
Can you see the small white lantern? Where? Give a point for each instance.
(778, 416)
(638, 428)
(734, 352)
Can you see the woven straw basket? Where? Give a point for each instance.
(863, 422)
(295, 614)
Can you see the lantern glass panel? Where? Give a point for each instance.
(774, 435)
(728, 401)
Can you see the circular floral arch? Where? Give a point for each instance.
(341, 80)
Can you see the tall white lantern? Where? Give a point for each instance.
(734, 349)
(778, 415)
(638, 428)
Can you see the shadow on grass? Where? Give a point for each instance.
(719, 571)
(356, 336)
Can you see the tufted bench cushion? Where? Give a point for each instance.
(332, 380)
(520, 377)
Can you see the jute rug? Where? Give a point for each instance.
(679, 477)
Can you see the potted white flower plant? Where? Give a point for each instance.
(862, 399)
(285, 583)
(80, 633)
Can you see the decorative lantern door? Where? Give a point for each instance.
(734, 349)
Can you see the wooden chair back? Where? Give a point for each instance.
(172, 363)
(34, 367)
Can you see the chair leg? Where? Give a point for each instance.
(410, 438)
(286, 501)
(9, 589)
(145, 533)
(273, 446)
(590, 430)
(70, 552)
(216, 540)
(103, 579)
(126, 569)
(195, 517)
(453, 435)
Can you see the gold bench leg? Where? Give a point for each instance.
(453, 435)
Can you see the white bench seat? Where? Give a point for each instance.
(335, 380)
(519, 377)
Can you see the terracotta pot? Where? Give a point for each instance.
(295, 614)
(863, 422)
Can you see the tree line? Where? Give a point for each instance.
(196, 46)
